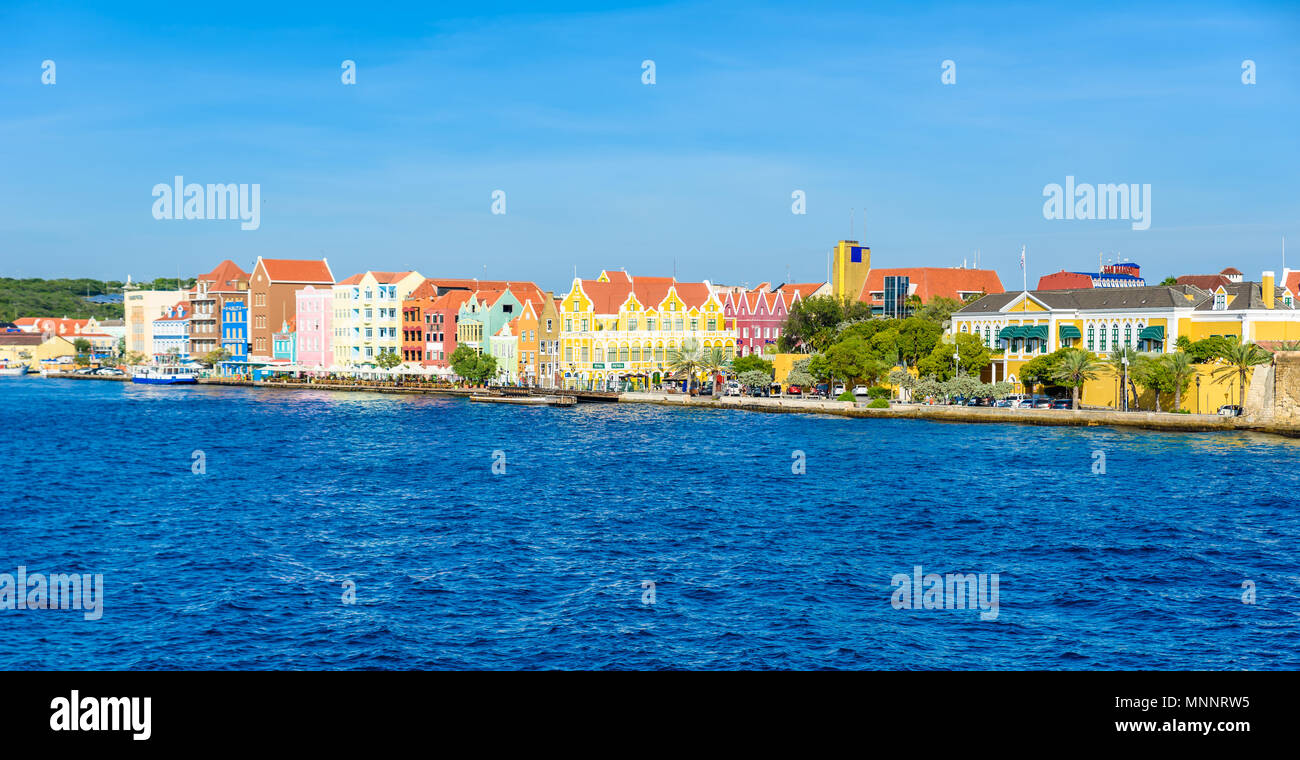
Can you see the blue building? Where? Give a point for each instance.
(284, 344)
(234, 335)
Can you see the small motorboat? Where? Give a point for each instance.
(12, 370)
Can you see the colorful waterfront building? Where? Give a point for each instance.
(102, 340)
(1017, 327)
(759, 316)
(314, 312)
(529, 364)
(234, 334)
(272, 300)
(367, 318)
(207, 299)
(171, 333)
(504, 347)
(483, 314)
(142, 307)
(618, 330)
(285, 343)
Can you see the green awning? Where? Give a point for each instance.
(1068, 332)
(1156, 333)
(1013, 331)
(1035, 331)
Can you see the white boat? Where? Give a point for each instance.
(170, 375)
(13, 370)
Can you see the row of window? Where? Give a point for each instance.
(623, 354)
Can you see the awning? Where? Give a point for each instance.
(1067, 332)
(1034, 331)
(1156, 333)
(1014, 331)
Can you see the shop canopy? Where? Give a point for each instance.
(1155, 333)
(1024, 331)
(1069, 332)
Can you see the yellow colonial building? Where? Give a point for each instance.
(617, 330)
(1018, 327)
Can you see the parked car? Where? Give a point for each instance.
(860, 390)
(1062, 403)
(706, 389)
(1230, 410)
(794, 390)
(759, 392)
(838, 391)
(109, 371)
(1042, 403)
(732, 388)
(1020, 401)
(1004, 403)
(84, 371)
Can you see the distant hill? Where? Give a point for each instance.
(35, 297)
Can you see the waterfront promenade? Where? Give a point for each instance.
(1165, 421)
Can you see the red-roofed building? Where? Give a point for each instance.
(758, 316)
(925, 283)
(272, 299)
(207, 299)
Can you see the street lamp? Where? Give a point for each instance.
(1198, 394)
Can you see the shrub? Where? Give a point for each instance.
(878, 403)
(878, 391)
(846, 396)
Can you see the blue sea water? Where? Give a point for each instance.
(542, 566)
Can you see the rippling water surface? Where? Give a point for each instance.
(542, 566)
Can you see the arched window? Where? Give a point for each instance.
(1128, 335)
(1102, 331)
(988, 337)
(1114, 335)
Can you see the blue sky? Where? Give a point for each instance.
(751, 102)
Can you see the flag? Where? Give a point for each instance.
(1022, 257)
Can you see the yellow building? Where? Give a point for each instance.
(1018, 327)
(368, 316)
(850, 265)
(142, 307)
(617, 330)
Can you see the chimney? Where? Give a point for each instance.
(1268, 290)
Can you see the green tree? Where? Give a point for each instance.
(388, 359)
(1115, 363)
(1181, 372)
(686, 361)
(847, 359)
(215, 357)
(917, 338)
(754, 378)
(82, 347)
(752, 362)
(938, 310)
(1151, 372)
(1073, 369)
(814, 322)
(472, 366)
(1170, 280)
(1205, 350)
(940, 364)
(1238, 360)
(801, 378)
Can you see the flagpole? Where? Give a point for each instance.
(1024, 273)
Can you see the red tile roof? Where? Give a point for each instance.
(804, 289)
(1231, 270)
(948, 282)
(1292, 281)
(1064, 280)
(1209, 282)
(224, 278)
(297, 270)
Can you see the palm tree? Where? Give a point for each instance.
(1074, 369)
(1238, 359)
(686, 360)
(714, 361)
(1116, 364)
(1182, 371)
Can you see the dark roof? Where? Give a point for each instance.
(1249, 295)
(1151, 297)
(21, 339)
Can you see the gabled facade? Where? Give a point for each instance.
(285, 343)
(504, 347)
(142, 307)
(207, 298)
(483, 314)
(526, 326)
(271, 300)
(234, 332)
(759, 316)
(618, 330)
(368, 316)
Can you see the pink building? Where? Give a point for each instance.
(758, 315)
(313, 309)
